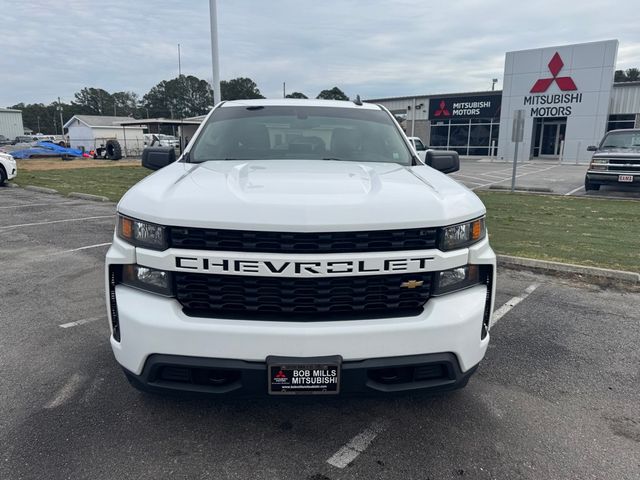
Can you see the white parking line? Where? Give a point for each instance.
(66, 392)
(6, 227)
(574, 190)
(86, 247)
(456, 175)
(38, 205)
(358, 444)
(81, 322)
(517, 176)
(504, 309)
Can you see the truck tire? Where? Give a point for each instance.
(3, 176)
(114, 152)
(589, 185)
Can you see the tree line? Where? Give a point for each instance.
(181, 97)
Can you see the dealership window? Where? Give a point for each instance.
(621, 121)
(466, 136)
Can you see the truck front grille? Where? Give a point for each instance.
(624, 165)
(302, 299)
(299, 242)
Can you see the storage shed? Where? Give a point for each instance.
(90, 131)
(11, 123)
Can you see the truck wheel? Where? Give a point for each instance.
(589, 185)
(3, 175)
(114, 152)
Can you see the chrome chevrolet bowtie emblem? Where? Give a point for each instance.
(412, 284)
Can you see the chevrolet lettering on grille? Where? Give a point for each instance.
(310, 268)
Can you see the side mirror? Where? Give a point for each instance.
(592, 148)
(445, 161)
(155, 158)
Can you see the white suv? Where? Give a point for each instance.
(299, 247)
(8, 168)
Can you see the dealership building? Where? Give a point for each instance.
(565, 95)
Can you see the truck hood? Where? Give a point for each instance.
(618, 153)
(300, 195)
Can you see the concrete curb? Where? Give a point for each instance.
(41, 189)
(522, 189)
(88, 196)
(569, 269)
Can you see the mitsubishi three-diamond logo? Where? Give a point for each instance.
(565, 84)
(442, 110)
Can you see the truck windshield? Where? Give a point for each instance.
(300, 132)
(629, 140)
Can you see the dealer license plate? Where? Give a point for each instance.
(625, 178)
(304, 376)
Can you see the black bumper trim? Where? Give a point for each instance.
(612, 178)
(250, 378)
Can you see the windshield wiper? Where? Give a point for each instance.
(333, 158)
(613, 146)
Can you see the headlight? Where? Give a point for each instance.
(142, 234)
(149, 279)
(456, 279)
(599, 164)
(462, 235)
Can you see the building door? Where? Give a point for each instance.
(548, 137)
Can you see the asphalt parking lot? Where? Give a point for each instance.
(541, 175)
(555, 398)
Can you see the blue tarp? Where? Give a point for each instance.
(47, 149)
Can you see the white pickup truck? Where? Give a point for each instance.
(417, 144)
(299, 247)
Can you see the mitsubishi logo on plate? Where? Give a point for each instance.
(442, 110)
(565, 84)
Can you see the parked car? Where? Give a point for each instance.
(23, 139)
(419, 146)
(4, 140)
(8, 168)
(160, 140)
(616, 161)
(260, 264)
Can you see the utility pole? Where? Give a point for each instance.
(181, 107)
(284, 90)
(60, 112)
(215, 62)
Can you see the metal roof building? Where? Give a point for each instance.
(11, 123)
(89, 131)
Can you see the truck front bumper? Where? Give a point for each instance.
(611, 178)
(438, 372)
(154, 331)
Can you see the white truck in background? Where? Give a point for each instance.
(421, 150)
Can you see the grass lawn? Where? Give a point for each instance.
(110, 182)
(585, 231)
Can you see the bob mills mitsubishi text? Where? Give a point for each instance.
(299, 247)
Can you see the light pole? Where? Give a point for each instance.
(493, 84)
(215, 63)
(59, 108)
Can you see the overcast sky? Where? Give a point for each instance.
(373, 48)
